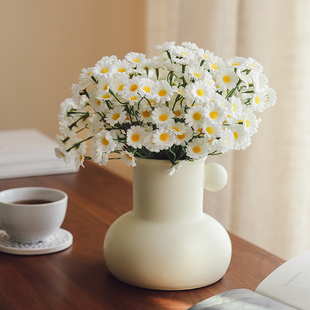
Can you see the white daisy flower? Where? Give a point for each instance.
(85, 79)
(237, 62)
(98, 105)
(204, 55)
(145, 112)
(146, 87)
(99, 157)
(162, 91)
(250, 123)
(131, 88)
(215, 113)
(118, 82)
(196, 72)
(162, 115)
(66, 106)
(104, 141)
(163, 138)
(60, 152)
(135, 136)
(233, 108)
(195, 116)
(116, 115)
(149, 145)
(103, 67)
(122, 66)
(166, 46)
(197, 148)
(135, 58)
(210, 131)
(271, 97)
(103, 87)
(226, 78)
(79, 158)
(183, 133)
(226, 141)
(182, 55)
(200, 91)
(254, 65)
(258, 101)
(128, 158)
(241, 139)
(215, 64)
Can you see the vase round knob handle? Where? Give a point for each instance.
(215, 177)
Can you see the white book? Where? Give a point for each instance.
(29, 152)
(288, 287)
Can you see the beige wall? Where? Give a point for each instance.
(45, 44)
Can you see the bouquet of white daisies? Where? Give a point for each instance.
(182, 105)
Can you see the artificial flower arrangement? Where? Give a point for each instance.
(182, 105)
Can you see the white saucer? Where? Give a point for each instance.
(59, 241)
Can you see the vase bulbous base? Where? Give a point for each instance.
(163, 255)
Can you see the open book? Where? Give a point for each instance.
(28, 152)
(288, 287)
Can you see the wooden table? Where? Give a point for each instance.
(77, 278)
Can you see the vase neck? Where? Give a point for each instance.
(161, 197)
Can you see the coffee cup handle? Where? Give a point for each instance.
(215, 177)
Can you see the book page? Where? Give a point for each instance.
(290, 283)
(240, 299)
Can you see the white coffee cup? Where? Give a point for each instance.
(32, 214)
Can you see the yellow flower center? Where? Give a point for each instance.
(133, 98)
(136, 60)
(116, 116)
(104, 70)
(257, 100)
(210, 130)
(214, 66)
(247, 123)
(196, 149)
(146, 89)
(235, 64)
(163, 137)
(105, 141)
(197, 116)
(234, 107)
(226, 78)
(163, 117)
(121, 70)
(106, 86)
(197, 75)
(106, 96)
(134, 87)
(162, 93)
(236, 135)
(135, 137)
(120, 88)
(177, 113)
(146, 113)
(200, 92)
(175, 128)
(98, 101)
(181, 136)
(213, 115)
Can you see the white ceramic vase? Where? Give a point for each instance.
(167, 242)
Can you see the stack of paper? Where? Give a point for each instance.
(28, 152)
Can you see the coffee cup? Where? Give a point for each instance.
(32, 214)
